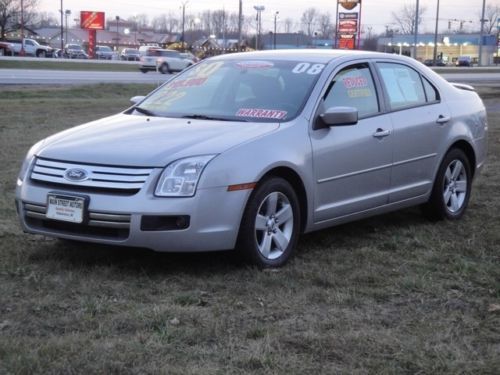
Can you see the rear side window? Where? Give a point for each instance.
(431, 93)
(403, 85)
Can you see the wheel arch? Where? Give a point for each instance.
(293, 179)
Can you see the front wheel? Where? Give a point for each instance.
(271, 224)
(452, 187)
(164, 69)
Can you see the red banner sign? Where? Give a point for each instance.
(91, 20)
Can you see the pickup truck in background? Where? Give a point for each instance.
(31, 48)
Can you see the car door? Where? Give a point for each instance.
(352, 164)
(420, 121)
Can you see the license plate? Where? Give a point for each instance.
(65, 208)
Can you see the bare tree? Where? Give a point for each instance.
(491, 14)
(160, 23)
(10, 15)
(406, 16)
(44, 19)
(219, 20)
(325, 26)
(288, 25)
(142, 20)
(308, 19)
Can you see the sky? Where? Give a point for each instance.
(375, 13)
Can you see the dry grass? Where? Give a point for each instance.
(393, 294)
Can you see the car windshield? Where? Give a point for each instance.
(131, 51)
(105, 49)
(75, 47)
(239, 90)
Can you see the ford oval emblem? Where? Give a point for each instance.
(76, 174)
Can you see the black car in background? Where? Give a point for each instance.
(130, 54)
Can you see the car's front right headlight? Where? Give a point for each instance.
(180, 178)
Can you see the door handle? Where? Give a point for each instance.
(381, 133)
(441, 120)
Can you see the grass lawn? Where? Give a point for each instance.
(68, 65)
(392, 294)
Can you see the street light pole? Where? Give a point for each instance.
(62, 30)
(259, 9)
(22, 52)
(434, 55)
(240, 23)
(274, 35)
(480, 60)
(66, 14)
(117, 33)
(415, 39)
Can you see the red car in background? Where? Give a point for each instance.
(6, 49)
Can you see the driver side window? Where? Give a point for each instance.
(353, 87)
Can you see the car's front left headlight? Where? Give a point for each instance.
(27, 160)
(180, 178)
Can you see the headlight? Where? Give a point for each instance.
(28, 159)
(180, 178)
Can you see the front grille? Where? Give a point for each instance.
(96, 176)
(99, 224)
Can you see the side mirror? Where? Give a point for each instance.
(337, 116)
(137, 99)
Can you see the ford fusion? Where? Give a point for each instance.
(247, 151)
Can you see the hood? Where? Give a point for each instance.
(140, 141)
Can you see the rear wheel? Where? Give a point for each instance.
(271, 224)
(452, 187)
(41, 53)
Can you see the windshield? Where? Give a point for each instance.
(239, 90)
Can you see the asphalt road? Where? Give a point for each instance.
(42, 77)
(65, 77)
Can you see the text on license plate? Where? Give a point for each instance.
(65, 208)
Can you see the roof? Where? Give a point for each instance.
(323, 56)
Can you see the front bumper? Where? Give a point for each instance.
(214, 217)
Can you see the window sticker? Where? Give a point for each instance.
(359, 93)
(190, 82)
(355, 82)
(275, 114)
(254, 64)
(308, 68)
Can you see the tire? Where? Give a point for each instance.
(270, 225)
(144, 70)
(452, 187)
(164, 69)
(41, 53)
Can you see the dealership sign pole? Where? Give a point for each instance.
(92, 21)
(348, 25)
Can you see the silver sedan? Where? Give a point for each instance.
(247, 151)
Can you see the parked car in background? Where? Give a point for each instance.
(249, 150)
(163, 60)
(130, 54)
(103, 53)
(74, 51)
(464, 61)
(430, 62)
(190, 56)
(6, 49)
(31, 48)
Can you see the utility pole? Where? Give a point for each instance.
(415, 39)
(117, 33)
(480, 60)
(436, 35)
(240, 24)
(22, 51)
(183, 23)
(66, 14)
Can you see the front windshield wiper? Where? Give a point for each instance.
(145, 111)
(213, 118)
